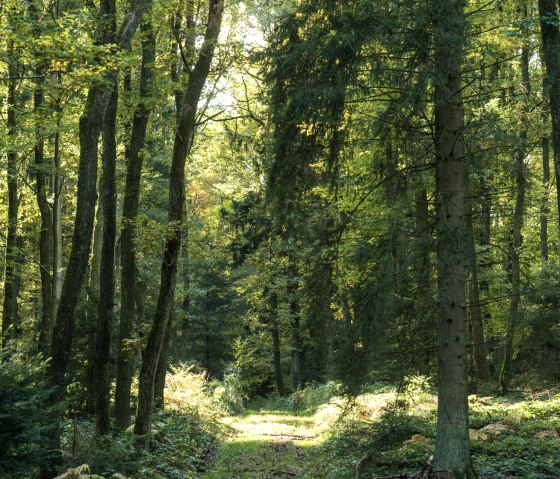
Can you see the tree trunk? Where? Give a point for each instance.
(545, 208)
(108, 202)
(518, 214)
(135, 159)
(296, 366)
(480, 352)
(161, 372)
(275, 332)
(42, 193)
(452, 432)
(548, 12)
(10, 311)
(186, 122)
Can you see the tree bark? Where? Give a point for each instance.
(135, 158)
(452, 439)
(550, 33)
(186, 122)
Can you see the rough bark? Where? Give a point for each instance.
(186, 122)
(135, 158)
(550, 34)
(452, 438)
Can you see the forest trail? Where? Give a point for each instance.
(267, 444)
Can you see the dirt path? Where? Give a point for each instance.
(270, 444)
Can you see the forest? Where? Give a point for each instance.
(256, 239)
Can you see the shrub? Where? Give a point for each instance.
(24, 419)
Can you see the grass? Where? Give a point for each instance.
(267, 443)
(327, 442)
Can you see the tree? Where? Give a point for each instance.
(452, 437)
(135, 157)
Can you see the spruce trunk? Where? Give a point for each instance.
(452, 432)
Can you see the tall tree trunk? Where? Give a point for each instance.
(10, 311)
(548, 12)
(480, 352)
(42, 193)
(108, 202)
(518, 214)
(186, 122)
(134, 158)
(545, 208)
(452, 431)
(57, 253)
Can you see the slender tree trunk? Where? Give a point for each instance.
(518, 214)
(545, 208)
(10, 311)
(161, 372)
(42, 193)
(452, 431)
(135, 159)
(475, 311)
(296, 366)
(57, 254)
(108, 202)
(186, 122)
(548, 12)
(275, 332)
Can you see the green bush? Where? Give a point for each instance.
(24, 420)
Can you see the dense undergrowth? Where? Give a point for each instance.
(383, 431)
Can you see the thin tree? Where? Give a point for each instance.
(135, 157)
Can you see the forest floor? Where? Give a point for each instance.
(513, 437)
(267, 443)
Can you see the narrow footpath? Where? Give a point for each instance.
(271, 444)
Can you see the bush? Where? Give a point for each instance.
(229, 393)
(24, 419)
(315, 395)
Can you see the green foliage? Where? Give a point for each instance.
(24, 419)
(313, 396)
(229, 393)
